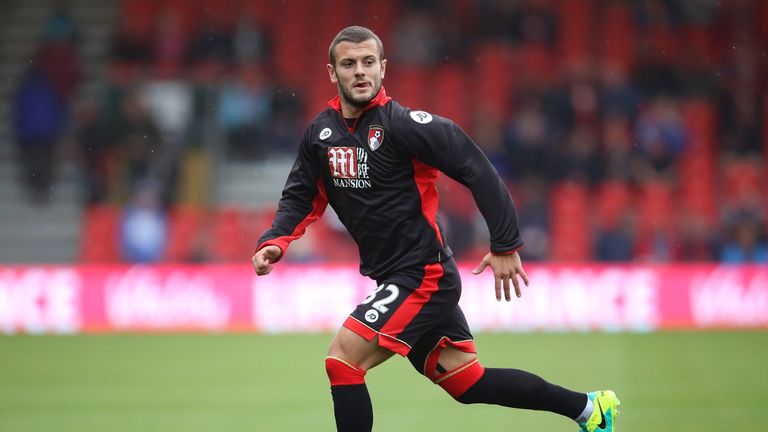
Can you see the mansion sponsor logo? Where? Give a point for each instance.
(145, 298)
(349, 167)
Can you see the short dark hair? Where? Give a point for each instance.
(354, 34)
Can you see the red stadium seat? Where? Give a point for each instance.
(228, 235)
(742, 178)
(656, 208)
(618, 35)
(450, 97)
(613, 201)
(99, 235)
(185, 233)
(701, 122)
(570, 231)
(576, 26)
(494, 65)
(698, 185)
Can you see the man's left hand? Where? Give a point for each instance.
(505, 268)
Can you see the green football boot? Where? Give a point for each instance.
(606, 408)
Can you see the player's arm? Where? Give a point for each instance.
(303, 202)
(445, 146)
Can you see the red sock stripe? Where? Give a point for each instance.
(343, 373)
(459, 380)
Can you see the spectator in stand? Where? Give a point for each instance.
(488, 130)
(62, 26)
(616, 96)
(39, 120)
(527, 22)
(528, 140)
(95, 153)
(133, 42)
(534, 217)
(578, 160)
(416, 39)
(617, 151)
(744, 222)
(60, 62)
(661, 138)
(214, 42)
(171, 42)
(284, 132)
(747, 243)
(243, 111)
(144, 226)
(139, 141)
(251, 44)
(57, 54)
(696, 242)
(615, 240)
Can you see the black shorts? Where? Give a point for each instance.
(410, 315)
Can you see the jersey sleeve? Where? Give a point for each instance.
(444, 145)
(303, 201)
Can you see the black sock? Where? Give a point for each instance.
(519, 389)
(352, 408)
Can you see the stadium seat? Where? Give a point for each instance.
(698, 184)
(99, 235)
(575, 29)
(655, 207)
(494, 65)
(701, 123)
(450, 94)
(228, 236)
(742, 177)
(618, 34)
(613, 201)
(185, 233)
(570, 230)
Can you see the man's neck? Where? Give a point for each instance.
(350, 111)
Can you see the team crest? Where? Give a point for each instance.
(375, 137)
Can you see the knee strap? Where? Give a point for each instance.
(343, 373)
(458, 380)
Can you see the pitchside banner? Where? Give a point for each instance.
(309, 298)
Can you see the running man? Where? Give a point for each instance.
(376, 163)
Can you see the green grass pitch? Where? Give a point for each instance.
(671, 381)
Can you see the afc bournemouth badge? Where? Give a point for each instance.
(375, 137)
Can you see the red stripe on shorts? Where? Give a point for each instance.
(414, 302)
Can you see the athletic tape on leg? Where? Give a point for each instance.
(343, 373)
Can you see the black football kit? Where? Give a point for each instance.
(379, 176)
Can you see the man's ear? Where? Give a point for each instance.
(383, 67)
(332, 74)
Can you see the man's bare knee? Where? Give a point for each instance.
(451, 358)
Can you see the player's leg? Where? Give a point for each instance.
(388, 321)
(448, 357)
(349, 357)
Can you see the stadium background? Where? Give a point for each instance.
(632, 134)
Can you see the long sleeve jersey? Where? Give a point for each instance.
(379, 175)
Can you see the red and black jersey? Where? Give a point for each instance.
(379, 176)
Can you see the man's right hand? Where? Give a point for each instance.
(263, 259)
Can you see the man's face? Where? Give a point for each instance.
(358, 72)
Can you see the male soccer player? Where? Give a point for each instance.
(376, 163)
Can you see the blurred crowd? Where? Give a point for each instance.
(626, 130)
